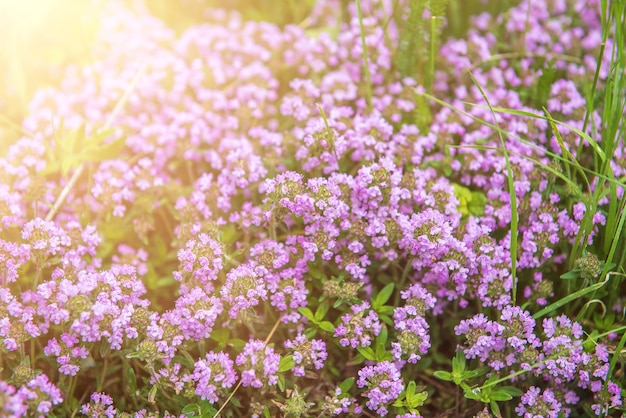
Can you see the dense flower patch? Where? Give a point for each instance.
(239, 216)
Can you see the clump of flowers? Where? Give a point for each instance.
(279, 211)
(213, 375)
(69, 356)
(306, 353)
(546, 403)
(200, 262)
(100, 405)
(358, 328)
(258, 364)
(244, 289)
(382, 383)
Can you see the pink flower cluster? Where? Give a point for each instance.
(245, 231)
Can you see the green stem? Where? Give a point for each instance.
(433, 40)
(267, 340)
(604, 334)
(511, 376)
(365, 56)
(102, 375)
(405, 274)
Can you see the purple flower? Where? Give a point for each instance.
(14, 403)
(340, 403)
(244, 288)
(546, 403)
(200, 262)
(382, 383)
(359, 328)
(41, 394)
(100, 406)
(69, 356)
(258, 364)
(45, 239)
(413, 339)
(483, 337)
(418, 300)
(306, 353)
(12, 256)
(213, 375)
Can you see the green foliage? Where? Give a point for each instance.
(317, 318)
(410, 399)
(438, 12)
(569, 298)
(489, 393)
(286, 363)
(368, 81)
(202, 409)
(409, 53)
(74, 148)
(419, 39)
(512, 195)
(470, 202)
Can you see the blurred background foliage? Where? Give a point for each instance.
(41, 37)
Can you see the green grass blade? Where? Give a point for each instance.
(592, 142)
(368, 80)
(512, 196)
(620, 182)
(569, 298)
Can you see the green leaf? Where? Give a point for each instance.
(567, 299)
(399, 403)
(544, 85)
(237, 343)
(416, 400)
(384, 295)
(346, 385)
(286, 363)
(571, 275)
(458, 362)
(443, 375)
(220, 335)
(358, 359)
(101, 135)
(385, 310)
(511, 390)
(104, 349)
(131, 380)
(327, 326)
(307, 314)
(281, 382)
(367, 352)
(102, 152)
(380, 352)
(470, 374)
(500, 396)
(208, 410)
(410, 389)
(321, 312)
(386, 318)
(235, 401)
(191, 410)
(495, 408)
(152, 394)
(317, 274)
(381, 338)
(472, 395)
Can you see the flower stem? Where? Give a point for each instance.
(365, 57)
(267, 340)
